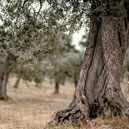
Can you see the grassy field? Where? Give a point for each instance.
(32, 107)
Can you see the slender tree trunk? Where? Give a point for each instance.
(56, 88)
(4, 79)
(3, 84)
(26, 83)
(98, 88)
(17, 82)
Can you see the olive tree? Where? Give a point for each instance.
(98, 88)
(25, 38)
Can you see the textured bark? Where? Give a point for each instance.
(114, 44)
(98, 88)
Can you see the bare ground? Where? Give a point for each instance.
(32, 107)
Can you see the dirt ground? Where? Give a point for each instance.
(32, 107)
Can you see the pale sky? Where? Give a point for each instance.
(77, 37)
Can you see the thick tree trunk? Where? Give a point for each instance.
(56, 88)
(98, 89)
(17, 82)
(4, 75)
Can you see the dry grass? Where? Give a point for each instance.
(32, 107)
(99, 123)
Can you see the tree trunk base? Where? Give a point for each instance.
(4, 98)
(56, 92)
(15, 86)
(67, 115)
(75, 116)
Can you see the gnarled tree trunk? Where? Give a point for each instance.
(99, 88)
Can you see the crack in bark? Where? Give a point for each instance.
(119, 38)
(125, 22)
(81, 91)
(95, 43)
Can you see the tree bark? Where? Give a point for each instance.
(98, 88)
(17, 82)
(4, 75)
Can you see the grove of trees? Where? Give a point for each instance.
(35, 35)
(31, 49)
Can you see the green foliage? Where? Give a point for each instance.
(36, 34)
(27, 25)
(66, 66)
